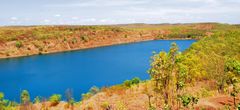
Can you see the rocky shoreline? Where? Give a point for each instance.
(27, 41)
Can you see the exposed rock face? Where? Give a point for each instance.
(24, 41)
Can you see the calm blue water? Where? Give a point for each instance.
(79, 70)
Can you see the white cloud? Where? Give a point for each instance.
(26, 19)
(57, 15)
(92, 19)
(14, 18)
(99, 3)
(88, 20)
(127, 11)
(75, 18)
(46, 21)
(103, 20)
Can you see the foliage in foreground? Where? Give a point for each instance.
(169, 72)
(213, 58)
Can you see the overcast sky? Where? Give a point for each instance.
(91, 12)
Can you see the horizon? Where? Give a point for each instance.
(104, 12)
(118, 24)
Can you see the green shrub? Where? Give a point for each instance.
(134, 81)
(2, 103)
(85, 38)
(18, 44)
(55, 98)
(187, 99)
(6, 104)
(127, 83)
(1, 95)
(64, 39)
(233, 65)
(25, 97)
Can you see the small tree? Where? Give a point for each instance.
(181, 75)
(232, 69)
(134, 81)
(69, 97)
(2, 103)
(25, 100)
(219, 75)
(25, 97)
(163, 72)
(18, 44)
(55, 99)
(127, 83)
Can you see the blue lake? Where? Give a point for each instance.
(44, 75)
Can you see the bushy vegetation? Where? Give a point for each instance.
(55, 99)
(2, 101)
(48, 32)
(6, 104)
(105, 106)
(85, 38)
(208, 56)
(187, 99)
(213, 58)
(32, 40)
(134, 81)
(19, 44)
(93, 90)
(168, 72)
(51, 32)
(25, 97)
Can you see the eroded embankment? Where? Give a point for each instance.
(25, 41)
